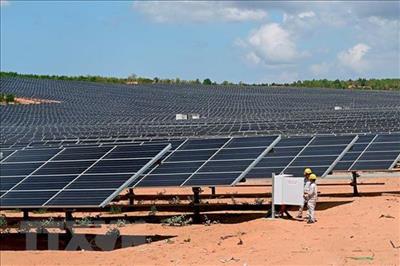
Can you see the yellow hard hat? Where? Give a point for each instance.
(307, 171)
(312, 177)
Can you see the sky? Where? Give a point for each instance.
(253, 42)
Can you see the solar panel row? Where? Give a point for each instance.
(292, 155)
(211, 162)
(91, 175)
(372, 152)
(82, 176)
(92, 110)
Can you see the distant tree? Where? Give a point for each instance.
(197, 81)
(177, 80)
(132, 76)
(362, 82)
(207, 81)
(10, 98)
(156, 80)
(225, 82)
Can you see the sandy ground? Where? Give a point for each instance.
(358, 231)
(20, 100)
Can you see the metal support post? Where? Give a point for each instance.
(68, 224)
(25, 215)
(212, 191)
(272, 197)
(354, 183)
(196, 205)
(131, 197)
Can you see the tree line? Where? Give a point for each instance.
(7, 97)
(361, 83)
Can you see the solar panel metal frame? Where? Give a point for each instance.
(397, 160)
(255, 162)
(340, 156)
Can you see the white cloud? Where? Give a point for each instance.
(166, 11)
(354, 59)
(272, 44)
(308, 14)
(320, 69)
(253, 58)
(4, 3)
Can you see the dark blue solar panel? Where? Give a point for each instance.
(229, 158)
(250, 142)
(44, 182)
(32, 155)
(292, 155)
(197, 144)
(181, 167)
(118, 166)
(162, 180)
(89, 153)
(380, 153)
(5, 153)
(25, 198)
(225, 166)
(64, 167)
(243, 153)
(18, 169)
(334, 140)
(7, 183)
(66, 182)
(388, 138)
(195, 155)
(211, 179)
(110, 181)
(284, 152)
(261, 172)
(293, 142)
(80, 198)
(371, 165)
(274, 162)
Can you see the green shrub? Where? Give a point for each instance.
(114, 209)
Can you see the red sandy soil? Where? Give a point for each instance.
(20, 100)
(361, 232)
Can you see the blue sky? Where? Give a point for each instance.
(246, 41)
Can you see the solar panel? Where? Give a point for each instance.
(5, 153)
(382, 153)
(73, 177)
(291, 156)
(208, 162)
(279, 157)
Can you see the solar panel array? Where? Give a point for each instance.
(292, 155)
(210, 162)
(372, 152)
(92, 110)
(92, 174)
(79, 177)
(102, 138)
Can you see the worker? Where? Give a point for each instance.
(311, 198)
(307, 173)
